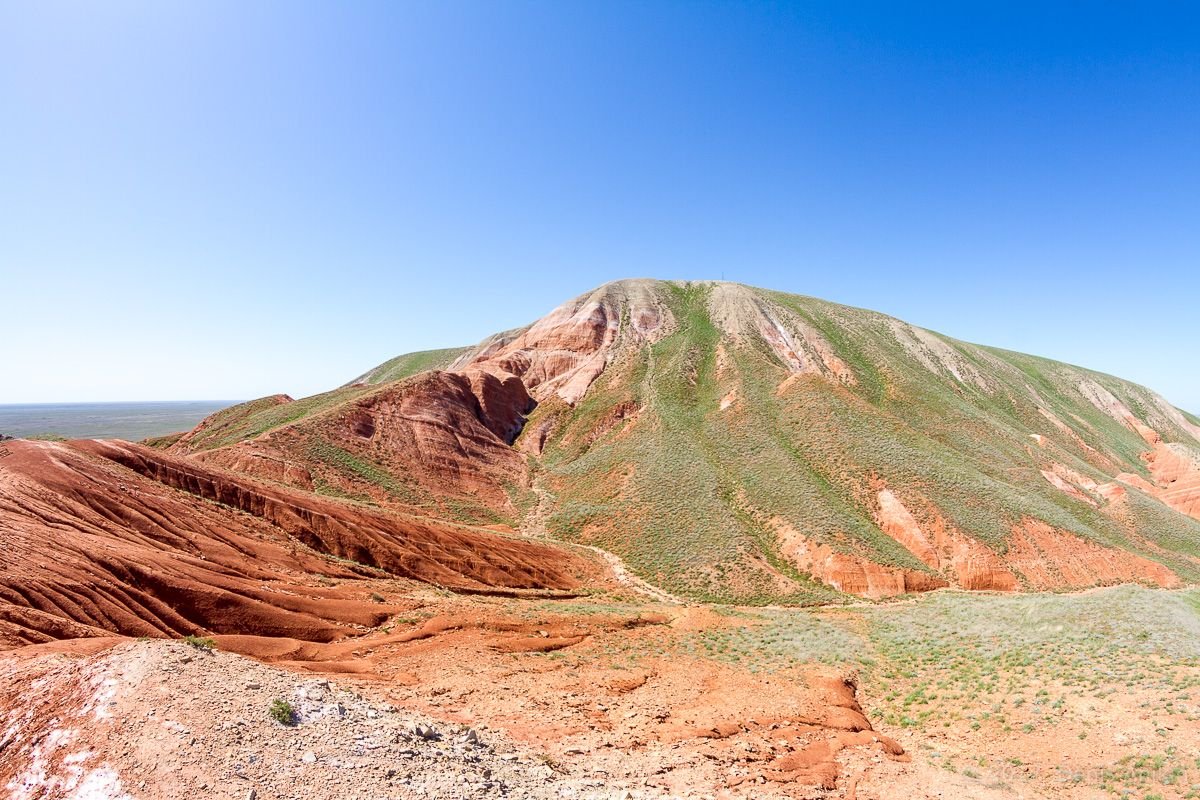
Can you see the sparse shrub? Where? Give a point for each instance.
(550, 761)
(376, 597)
(283, 712)
(205, 643)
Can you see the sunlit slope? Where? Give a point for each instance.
(436, 443)
(254, 417)
(410, 364)
(769, 438)
(740, 444)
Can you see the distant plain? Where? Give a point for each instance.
(132, 421)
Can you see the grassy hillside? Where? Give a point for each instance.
(410, 364)
(735, 432)
(686, 491)
(256, 417)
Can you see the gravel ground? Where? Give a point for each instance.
(169, 720)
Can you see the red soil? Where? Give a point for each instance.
(1038, 555)
(683, 723)
(99, 538)
(1053, 559)
(672, 726)
(1044, 557)
(1174, 467)
(969, 563)
(441, 434)
(848, 573)
(1177, 474)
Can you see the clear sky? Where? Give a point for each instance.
(223, 200)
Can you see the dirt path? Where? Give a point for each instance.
(627, 578)
(534, 526)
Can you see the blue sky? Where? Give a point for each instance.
(225, 200)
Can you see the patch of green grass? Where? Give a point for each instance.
(163, 442)
(343, 461)
(248, 420)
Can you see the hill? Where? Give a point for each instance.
(496, 552)
(739, 444)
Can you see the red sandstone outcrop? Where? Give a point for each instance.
(1174, 466)
(1176, 471)
(970, 563)
(848, 573)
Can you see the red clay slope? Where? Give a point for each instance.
(98, 537)
(437, 436)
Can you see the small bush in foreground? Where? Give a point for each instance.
(282, 712)
(205, 643)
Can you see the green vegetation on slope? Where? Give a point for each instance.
(162, 442)
(341, 460)
(703, 460)
(248, 420)
(410, 364)
(693, 496)
(669, 498)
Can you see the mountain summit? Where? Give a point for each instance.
(738, 444)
